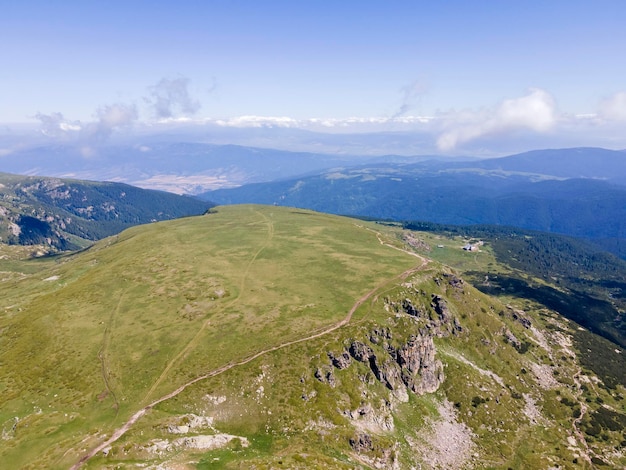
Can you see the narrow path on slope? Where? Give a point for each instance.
(194, 341)
(139, 414)
(102, 354)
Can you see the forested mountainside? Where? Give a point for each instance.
(65, 214)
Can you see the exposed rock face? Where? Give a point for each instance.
(360, 351)
(520, 316)
(412, 365)
(457, 326)
(417, 243)
(441, 308)
(431, 311)
(386, 371)
(201, 442)
(326, 375)
(383, 457)
(421, 372)
(511, 339)
(404, 361)
(454, 281)
(410, 309)
(362, 442)
(380, 334)
(340, 362)
(367, 418)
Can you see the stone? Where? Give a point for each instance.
(441, 308)
(340, 362)
(360, 351)
(362, 442)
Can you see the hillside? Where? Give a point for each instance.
(61, 214)
(260, 337)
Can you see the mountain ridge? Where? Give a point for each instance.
(303, 339)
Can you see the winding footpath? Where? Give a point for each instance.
(139, 414)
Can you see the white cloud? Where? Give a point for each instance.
(117, 115)
(110, 118)
(170, 98)
(614, 107)
(536, 112)
(55, 125)
(351, 124)
(258, 121)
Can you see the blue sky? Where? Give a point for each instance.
(476, 69)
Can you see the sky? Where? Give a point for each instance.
(461, 72)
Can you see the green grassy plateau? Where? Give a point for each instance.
(208, 342)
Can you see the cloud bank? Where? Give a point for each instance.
(521, 123)
(535, 112)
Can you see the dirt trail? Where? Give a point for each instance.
(106, 341)
(135, 417)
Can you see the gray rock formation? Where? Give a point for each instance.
(360, 352)
(340, 362)
(441, 308)
(362, 442)
(412, 365)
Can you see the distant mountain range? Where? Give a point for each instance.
(178, 167)
(578, 192)
(588, 162)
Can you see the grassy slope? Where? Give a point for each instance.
(159, 304)
(164, 303)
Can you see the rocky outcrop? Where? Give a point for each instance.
(403, 357)
(362, 442)
(510, 338)
(374, 453)
(360, 351)
(441, 308)
(412, 365)
(380, 334)
(386, 371)
(520, 317)
(341, 361)
(410, 309)
(454, 281)
(421, 372)
(430, 311)
(414, 242)
(325, 375)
